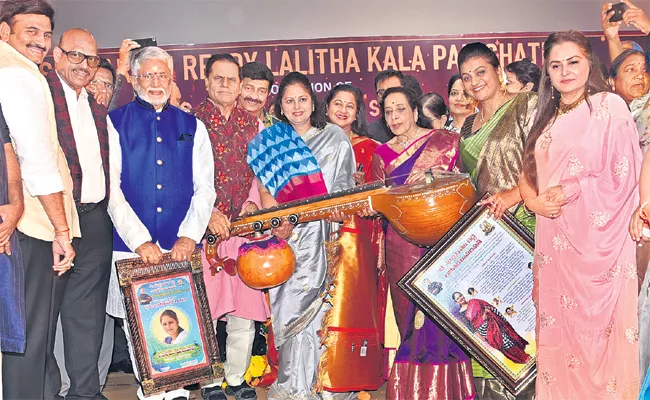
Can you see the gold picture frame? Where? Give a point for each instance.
(168, 316)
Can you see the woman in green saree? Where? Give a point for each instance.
(491, 148)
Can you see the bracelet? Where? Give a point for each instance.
(62, 242)
(63, 231)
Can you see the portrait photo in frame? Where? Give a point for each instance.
(476, 283)
(169, 319)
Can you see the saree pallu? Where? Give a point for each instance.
(493, 156)
(428, 365)
(352, 328)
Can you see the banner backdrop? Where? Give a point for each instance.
(328, 62)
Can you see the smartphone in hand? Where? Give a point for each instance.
(147, 42)
(618, 9)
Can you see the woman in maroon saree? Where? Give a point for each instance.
(428, 365)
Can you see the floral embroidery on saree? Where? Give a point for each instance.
(607, 332)
(546, 320)
(574, 167)
(621, 167)
(630, 271)
(599, 219)
(547, 379)
(545, 140)
(572, 361)
(543, 259)
(603, 112)
(567, 303)
(611, 273)
(632, 335)
(560, 242)
(611, 387)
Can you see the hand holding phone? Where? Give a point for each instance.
(147, 42)
(618, 10)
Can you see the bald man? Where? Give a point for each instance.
(83, 136)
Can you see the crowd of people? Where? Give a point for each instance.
(85, 183)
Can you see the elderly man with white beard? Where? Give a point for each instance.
(161, 194)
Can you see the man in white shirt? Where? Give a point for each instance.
(50, 218)
(161, 191)
(83, 136)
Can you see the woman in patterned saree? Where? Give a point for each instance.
(428, 365)
(583, 158)
(491, 148)
(302, 156)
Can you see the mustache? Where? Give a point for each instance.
(81, 69)
(151, 89)
(252, 100)
(37, 46)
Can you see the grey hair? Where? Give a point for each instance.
(149, 53)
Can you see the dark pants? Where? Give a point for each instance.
(120, 347)
(34, 374)
(83, 310)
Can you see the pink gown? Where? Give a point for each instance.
(585, 271)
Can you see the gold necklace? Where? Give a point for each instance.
(503, 96)
(567, 108)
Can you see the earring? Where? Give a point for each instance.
(552, 94)
(281, 112)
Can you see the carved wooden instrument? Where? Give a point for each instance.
(420, 212)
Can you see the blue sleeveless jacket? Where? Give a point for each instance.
(157, 178)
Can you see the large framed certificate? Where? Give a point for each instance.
(477, 284)
(173, 337)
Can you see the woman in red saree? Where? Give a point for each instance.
(428, 365)
(487, 322)
(357, 274)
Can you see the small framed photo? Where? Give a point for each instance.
(169, 319)
(477, 284)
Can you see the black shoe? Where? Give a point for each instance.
(213, 393)
(124, 366)
(242, 392)
(193, 387)
(180, 398)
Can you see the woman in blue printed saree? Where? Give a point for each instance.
(429, 365)
(300, 158)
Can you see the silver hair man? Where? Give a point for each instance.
(152, 69)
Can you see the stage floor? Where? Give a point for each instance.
(123, 386)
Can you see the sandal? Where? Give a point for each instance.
(242, 392)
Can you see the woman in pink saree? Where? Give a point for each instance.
(583, 159)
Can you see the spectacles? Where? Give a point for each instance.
(380, 93)
(76, 57)
(150, 76)
(106, 85)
